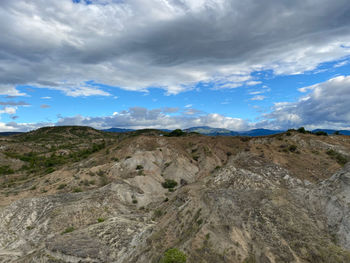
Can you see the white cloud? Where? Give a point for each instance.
(342, 63)
(9, 90)
(325, 106)
(256, 92)
(84, 91)
(253, 83)
(258, 97)
(76, 90)
(9, 110)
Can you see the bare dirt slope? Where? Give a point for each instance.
(75, 194)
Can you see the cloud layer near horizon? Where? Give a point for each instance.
(170, 44)
(325, 105)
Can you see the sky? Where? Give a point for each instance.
(168, 64)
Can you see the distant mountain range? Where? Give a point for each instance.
(206, 130)
(225, 132)
(210, 131)
(9, 133)
(120, 130)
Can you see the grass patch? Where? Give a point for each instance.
(5, 169)
(340, 158)
(174, 255)
(77, 190)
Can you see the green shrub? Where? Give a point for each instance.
(100, 220)
(139, 167)
(103, 180)
(77, 190)
(249, 259)
(320, 133)
(176, 133)
(157, 213)
(100, 173)
(61, 186)
(173, 255)
(292, 148)
(49, 170)
(169, 183)
(6, 170)
(68, 230)
(301, 130)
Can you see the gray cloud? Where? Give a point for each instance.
(44, 106)
(325, 106)
(170, 109)
(14, 103)
(168, 44)
(191, 111)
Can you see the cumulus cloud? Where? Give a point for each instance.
(139, 117)
(170, 44)
(325, 106)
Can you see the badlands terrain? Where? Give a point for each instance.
(75, 194)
